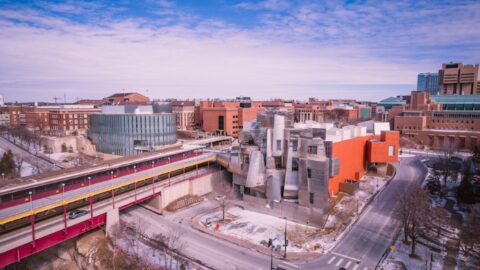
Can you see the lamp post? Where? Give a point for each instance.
(3, 176)
(134, 168)
(31, 201)
(111, 174)
(286, 240)
(63, 193)
(89, 183)
(221, 199)
(153, 163)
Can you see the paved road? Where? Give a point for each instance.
(28, 157)
(364, 243)
(211, 251)
(363, 246)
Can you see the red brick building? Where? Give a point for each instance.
(227, 117)
(425, 122)
(126, 98)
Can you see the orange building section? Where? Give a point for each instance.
(353, 155)
(384, 148)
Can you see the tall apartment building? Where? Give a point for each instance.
(459, 79)
(428, 82)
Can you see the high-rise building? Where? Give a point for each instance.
(459, 79)
(428, 82)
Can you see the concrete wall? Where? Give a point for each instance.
(199, 186)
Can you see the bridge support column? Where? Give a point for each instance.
(113, 198)
(32, 220)
(65, 217)
(155, 204)
(113, 218)
(91, 208)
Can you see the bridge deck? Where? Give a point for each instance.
(44, 204)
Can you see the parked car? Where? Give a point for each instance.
(77, 213)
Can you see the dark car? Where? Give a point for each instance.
(77, 213)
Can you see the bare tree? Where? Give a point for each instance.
(168, 247)
(470, 233)
(414, 210)
(19, 160)
(439, 219)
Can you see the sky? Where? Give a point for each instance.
(367, 50)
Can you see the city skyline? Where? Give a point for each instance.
(263, 49)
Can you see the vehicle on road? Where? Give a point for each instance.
(77, 213)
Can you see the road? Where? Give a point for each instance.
(363, 246)
(28, 157)
(365, 243)
(211, 251)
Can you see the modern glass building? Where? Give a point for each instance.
(428, 82)
(125, 130)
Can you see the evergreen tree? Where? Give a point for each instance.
(7, 163)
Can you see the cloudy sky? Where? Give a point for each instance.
(367, 50)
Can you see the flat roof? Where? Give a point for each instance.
(452, 99)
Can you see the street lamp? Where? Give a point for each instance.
(135, 168)
(31, 201)
(111, 173)
(153, 163)
(221, 199)
(89, 183)
(3, 176)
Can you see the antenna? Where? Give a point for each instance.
(64, 98)
(56, 99)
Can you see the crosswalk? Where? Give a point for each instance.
(345, 262)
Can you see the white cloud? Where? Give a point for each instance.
(312, 51)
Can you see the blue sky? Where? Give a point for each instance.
(367, 50)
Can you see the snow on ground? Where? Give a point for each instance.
(406, 155)
(259, 228)
(65, 158)
(27, 168)
(400, 255)
(433, 152)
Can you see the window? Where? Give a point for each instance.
(279, 145)
(294, 164)
(311, 197)
(391, 150)
(221, 122)
(309, 173)
(294, 145)
(312, 149)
